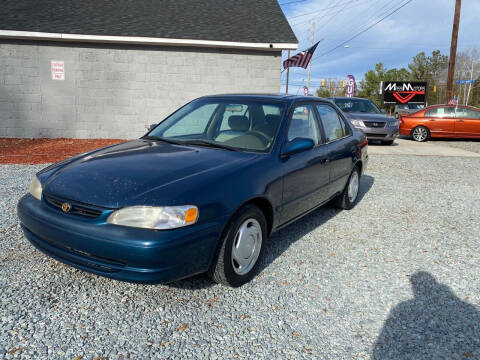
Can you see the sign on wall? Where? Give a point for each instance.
(350, 90)
(404, 92)
(58, 70)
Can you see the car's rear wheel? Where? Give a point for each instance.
(420, 133)
(241, 248)
(348, 198)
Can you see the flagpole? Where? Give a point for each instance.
(288, 72)
(310, 65)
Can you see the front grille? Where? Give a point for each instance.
(76, 209)
(374, 124)
(375, 135)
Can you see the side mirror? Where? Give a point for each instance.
(383, 111)
(298, 145)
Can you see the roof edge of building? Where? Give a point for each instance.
(31, 35)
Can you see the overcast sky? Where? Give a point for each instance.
(421, 25)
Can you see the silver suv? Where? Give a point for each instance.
(366, 116)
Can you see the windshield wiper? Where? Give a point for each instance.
(158, 138)
(208, 144)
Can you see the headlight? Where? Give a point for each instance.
(394, 123)
(160, 218)
(35, 188)
(357, 123)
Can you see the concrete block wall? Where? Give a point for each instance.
(115, 91)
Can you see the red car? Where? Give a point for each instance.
(446, 121)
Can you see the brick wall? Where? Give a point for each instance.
(114, 91)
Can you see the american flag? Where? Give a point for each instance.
(302, 59)
(453, 101)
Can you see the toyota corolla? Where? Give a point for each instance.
(200, 192)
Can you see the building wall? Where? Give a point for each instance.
(115, 91)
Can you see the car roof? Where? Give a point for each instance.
(260, 96)
(347, 98)
(458, 106)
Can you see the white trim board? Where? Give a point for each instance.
(12, 34)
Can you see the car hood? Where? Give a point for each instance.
(122, 174)
(369, 117)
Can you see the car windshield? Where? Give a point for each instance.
(415, 106)
(232, 124)
(357, 105)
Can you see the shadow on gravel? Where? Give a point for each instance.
(282, 240)
(435, 324)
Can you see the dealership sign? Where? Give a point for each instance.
(404, 92)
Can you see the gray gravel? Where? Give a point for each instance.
(469, 145)
(396, 277)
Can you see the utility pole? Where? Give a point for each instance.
(288, 73)
(453, 50)
(310, 65)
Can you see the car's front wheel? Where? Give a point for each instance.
(420, 133)
(241, 248)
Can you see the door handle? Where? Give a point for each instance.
(324, 161)
(431, 120)
(460, 120)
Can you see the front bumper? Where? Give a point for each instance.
(385, 133)
(123, 253)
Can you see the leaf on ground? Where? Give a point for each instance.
(182, 327)
(296, 334)
(11, 352)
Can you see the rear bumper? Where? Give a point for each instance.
(405, 131)
(123, 253)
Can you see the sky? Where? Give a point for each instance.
(421, 25)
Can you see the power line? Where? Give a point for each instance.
(292, 2)
(320, 10)
(364, 30)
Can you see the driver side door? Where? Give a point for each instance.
(306, 180)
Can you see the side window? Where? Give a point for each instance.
(333, 125)
(303, 124)
(467, 113)
(193, 123)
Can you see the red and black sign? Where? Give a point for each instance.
(404, 92)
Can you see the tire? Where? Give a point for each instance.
(388, 142)
(420, 133)
(248, 224)
(344, 200)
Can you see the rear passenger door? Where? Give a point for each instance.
(339, 144)
(306, 179)
(467, 122)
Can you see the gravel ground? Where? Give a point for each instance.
(469, 145)
(394, 278)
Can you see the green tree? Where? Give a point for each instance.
(431, 69)
(370, 84)
(323, 92)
